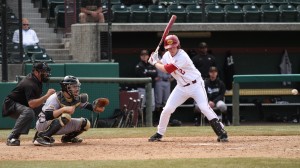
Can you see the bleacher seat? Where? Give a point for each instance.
(112, 2)
(167, 2)
(33, 49)
(138, 13)
(251, 13)
(298, 9)
(51, 4)
(12, 18)
(208, 2)
(224, 2)
(294, 2)
(187, 2)
(179, 11)
(59, 15)
(270, 13)
(233, 13)
(121, 13)
(194, 13)
(157, 14)
(243, 2)
(261, 2)
(278, 2)
(214, 13)
(41, 57)
(288, 13)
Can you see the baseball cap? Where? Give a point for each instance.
(144, 52)
(202, 45)
(213, 69)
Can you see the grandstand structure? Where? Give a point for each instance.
(56, 22)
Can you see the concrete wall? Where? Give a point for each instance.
(13, 70)
(84, 43)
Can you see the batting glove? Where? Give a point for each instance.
(154, 55)
(152, 61)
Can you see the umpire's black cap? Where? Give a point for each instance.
(41, 66)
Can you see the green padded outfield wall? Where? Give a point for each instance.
(94, 90)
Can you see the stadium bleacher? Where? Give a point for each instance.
(185, 13)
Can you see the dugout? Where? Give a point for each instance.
(94, 90)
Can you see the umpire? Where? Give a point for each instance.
(24, 100)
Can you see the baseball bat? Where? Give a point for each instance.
(167, 29)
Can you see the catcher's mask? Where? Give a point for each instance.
(44, 69)
(71, 85)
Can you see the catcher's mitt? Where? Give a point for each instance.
(99, 104)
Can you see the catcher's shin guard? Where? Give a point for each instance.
(217, 126)
(72, 137)
(44, 138)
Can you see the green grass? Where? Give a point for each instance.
(163, 163)
(185, 131)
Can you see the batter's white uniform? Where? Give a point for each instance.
(52, 104)
(189, 85)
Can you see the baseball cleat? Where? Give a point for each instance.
(41, 142)
(155, 137)
(13, 142)
(65, 139)
(51, 139)
(223, 138)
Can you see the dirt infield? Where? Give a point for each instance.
(170, 147)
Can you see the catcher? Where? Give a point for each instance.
(55, 117)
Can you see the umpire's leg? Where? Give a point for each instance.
(24, 116)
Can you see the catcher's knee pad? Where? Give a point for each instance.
(85, 124)
(64, 119)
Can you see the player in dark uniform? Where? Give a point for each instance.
(55, 117)
(24, 100)
(215, 89)
(203, 61)
(144, 69)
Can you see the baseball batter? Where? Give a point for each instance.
(189, 84)
(55, 118)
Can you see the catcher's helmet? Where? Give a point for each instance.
(71, 85)
(171, 41)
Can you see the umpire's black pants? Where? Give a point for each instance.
(24, 116)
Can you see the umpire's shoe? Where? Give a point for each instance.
(13, 139)
(155, 137)
(13, 142)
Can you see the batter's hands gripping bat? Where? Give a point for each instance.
(166, 32)
(99, 104)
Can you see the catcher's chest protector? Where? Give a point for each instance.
(66, 102)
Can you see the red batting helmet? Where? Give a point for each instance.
(171, 41)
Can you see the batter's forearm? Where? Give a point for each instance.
(160, 67)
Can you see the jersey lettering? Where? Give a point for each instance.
(181, 71)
